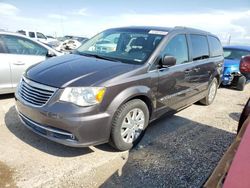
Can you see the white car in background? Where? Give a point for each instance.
(71, 43)
(35, 35)
(51, 38)
(17, 53)
(105, 46)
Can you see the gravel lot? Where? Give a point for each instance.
(177, 151)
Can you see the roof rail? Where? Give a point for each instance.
(180, 27)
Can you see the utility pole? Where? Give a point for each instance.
(229, 39)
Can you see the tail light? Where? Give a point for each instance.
(245, 64)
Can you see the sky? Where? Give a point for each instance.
(225, 18)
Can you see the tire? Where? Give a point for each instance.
(210, 96)
(241, 83)
(131, 120)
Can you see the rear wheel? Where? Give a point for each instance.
(241, 83)
(212, 90)
(129, 124)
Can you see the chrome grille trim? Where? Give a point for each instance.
(33, 93)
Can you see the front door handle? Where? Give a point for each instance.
(19, 63)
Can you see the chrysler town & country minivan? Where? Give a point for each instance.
(95, 96)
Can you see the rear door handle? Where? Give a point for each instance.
(19, 63)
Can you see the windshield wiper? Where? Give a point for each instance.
(98, 56)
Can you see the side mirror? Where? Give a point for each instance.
(50, 54)
(168, 61)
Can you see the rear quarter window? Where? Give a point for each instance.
(199, 47)
(215, 47)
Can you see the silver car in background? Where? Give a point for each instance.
(17, 53)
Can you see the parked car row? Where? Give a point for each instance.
(61, 44)
(111, 87)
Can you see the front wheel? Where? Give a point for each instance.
(212, 90)
(129, 124)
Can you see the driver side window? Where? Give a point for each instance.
(23, 46)
(177, 47)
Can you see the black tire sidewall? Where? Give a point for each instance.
(119, 116)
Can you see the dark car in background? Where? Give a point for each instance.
(92, 97)
(232, 74)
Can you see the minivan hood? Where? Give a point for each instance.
(76, 70)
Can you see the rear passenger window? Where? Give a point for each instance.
(177, 47)
(32, 34)
(215, 46)
(199, 47)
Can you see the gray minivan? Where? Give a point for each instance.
(110, 93)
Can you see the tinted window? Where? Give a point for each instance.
(19, 45)
(1, 46)
(215, 46)
(177, 47)
(199, 47)
(32, 34)
(235, 53)
(40, 36)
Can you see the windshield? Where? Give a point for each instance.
(130, 46)
(235, 53)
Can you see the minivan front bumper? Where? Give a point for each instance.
(77, 129)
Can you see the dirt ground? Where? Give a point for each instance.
(177, 151)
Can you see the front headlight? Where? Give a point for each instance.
(83, 96)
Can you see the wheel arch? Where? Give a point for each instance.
(143, 93)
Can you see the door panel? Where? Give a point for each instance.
(22, 53)
(19, 63)
(174, 85)
(202, 65)
(177, 85)
(5, 74)
(201, 74)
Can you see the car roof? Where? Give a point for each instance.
(238, 47)
(146, 28)
(166, 29)
(12, 33)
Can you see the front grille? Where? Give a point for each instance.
(34, 93)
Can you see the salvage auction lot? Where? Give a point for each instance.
(177, 151)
